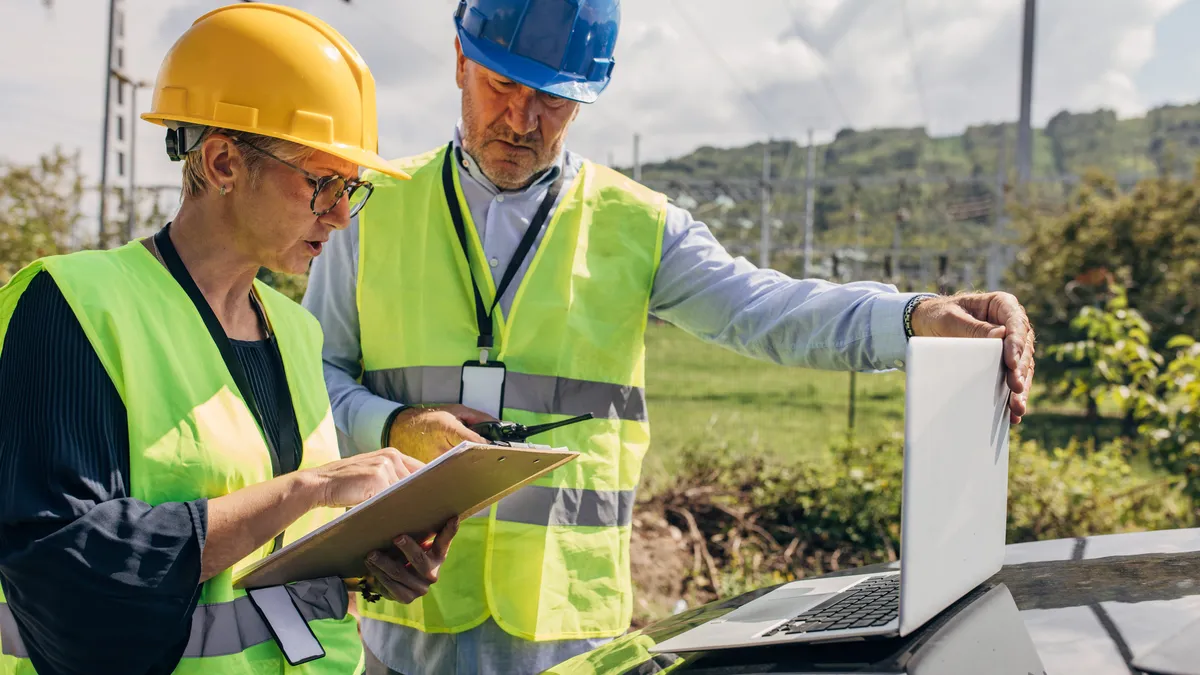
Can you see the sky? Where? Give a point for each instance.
(689, 72)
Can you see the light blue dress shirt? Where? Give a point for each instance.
(699, 287)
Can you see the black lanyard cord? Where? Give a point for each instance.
(286, 414)
(483, 314)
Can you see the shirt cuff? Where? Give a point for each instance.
(370, 420)
(887, 329)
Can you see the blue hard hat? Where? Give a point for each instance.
(561, 47)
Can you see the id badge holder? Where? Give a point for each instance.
(286, 624)
(482, 387)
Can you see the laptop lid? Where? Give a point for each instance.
(955, 473)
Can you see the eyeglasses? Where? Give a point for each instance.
(327, 190)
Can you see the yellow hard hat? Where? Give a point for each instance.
(274, 71)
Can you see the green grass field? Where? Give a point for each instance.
(703, 395)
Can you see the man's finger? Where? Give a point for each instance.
(1017, 405)
(416, 557)
(396, 571)
(1006, 310)
(390, 589)
(961, 323)
(468, 435)
(441, 545)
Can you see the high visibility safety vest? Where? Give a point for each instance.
(192, 436)
(551, 561)
(627, 655)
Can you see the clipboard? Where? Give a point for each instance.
(461, 482)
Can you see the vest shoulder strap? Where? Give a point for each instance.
(410, 165)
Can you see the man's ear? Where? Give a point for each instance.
(460, 67)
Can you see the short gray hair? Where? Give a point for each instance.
(194, 181)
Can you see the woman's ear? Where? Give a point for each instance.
(224, 165)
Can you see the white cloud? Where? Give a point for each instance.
(679, 82)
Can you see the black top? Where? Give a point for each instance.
(98, 582)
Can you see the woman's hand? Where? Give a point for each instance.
(395, 579)
(351, 481)
(245, 519)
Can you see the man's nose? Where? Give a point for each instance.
(523, 112)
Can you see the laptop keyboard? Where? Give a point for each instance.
(874, 602)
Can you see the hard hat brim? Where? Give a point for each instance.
(363, 158)
(528, 72)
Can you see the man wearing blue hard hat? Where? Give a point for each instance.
(511, 278)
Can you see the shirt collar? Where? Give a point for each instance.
(468, 163)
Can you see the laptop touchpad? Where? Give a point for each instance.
(782, 604)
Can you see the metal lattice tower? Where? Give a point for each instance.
(117, 145)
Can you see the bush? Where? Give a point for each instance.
(1079, 491)
(751, 521)
(1159, 397)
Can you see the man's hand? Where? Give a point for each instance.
(979, 315)
(405, 573)
(426, 433)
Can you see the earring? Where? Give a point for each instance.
(224, 189)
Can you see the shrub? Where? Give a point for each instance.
(750, 521)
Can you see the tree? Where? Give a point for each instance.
(1146, 241)
(39, 209)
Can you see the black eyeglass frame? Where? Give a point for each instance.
(349, 185)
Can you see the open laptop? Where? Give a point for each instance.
(952, 524)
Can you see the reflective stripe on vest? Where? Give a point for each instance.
(546, 506)
(550, 561)
(227, 627)
(542, 394)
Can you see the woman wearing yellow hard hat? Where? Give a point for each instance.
(163, 417)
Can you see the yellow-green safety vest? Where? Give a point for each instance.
(627, 655)
(192, 436)
(551, 561)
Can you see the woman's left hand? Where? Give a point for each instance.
(406, 572)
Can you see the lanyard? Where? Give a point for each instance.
(286, 415)
(483, 315)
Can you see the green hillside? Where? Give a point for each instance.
(937, 193)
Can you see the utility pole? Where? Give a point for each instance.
(131, 212)
(994, 263)
(1024, 131)
(809, 207)
(637, 157)
(764, 256)
(108, 78)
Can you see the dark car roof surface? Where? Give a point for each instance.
(1092, 605)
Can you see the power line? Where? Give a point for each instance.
(912, 59)
(728, 68)
(825, 79)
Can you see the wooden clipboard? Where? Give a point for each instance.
(462, 482)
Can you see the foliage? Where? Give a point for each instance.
(1146, 241)
(291, 285)
(943, 211)
(1112, 362)
(752, 520)
(39, 209)
(1169, 415)
(1080, 490)
(1160, 396)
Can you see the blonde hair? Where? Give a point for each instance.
(194, 181)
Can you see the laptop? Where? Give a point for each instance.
(952, 523)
